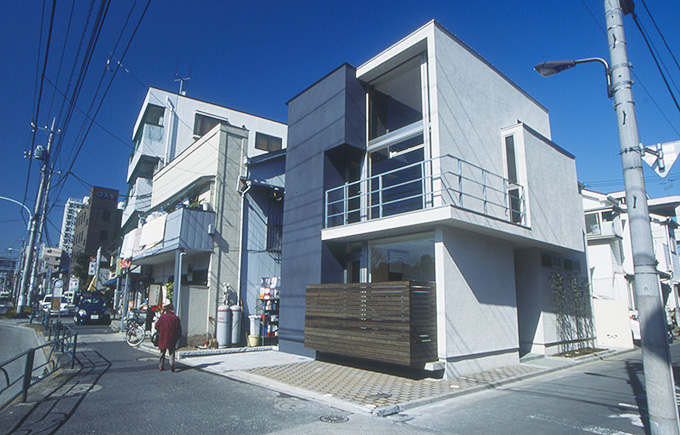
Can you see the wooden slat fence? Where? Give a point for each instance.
(392, 322)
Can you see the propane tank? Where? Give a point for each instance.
(223, 326)
(235, 325)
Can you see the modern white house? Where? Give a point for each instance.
(427, 213)
(201, 177)
(610, 262)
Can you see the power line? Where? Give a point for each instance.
(42, 76)
(656, 61)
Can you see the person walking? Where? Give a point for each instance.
(169, 331)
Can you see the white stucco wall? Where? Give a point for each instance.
(179, 119)
(480, 326)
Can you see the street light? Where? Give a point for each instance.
(552, 67)
(656, 360)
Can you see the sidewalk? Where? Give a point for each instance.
(360, 390)
(344, 387)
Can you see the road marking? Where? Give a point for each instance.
(635, 419)
(569, 424)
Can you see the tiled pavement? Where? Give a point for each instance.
(372, 390)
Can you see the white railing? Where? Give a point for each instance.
(604, 229)
(445, 180)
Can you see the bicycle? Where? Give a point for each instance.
(135, 333)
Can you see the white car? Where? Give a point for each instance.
(46, 304)
(634, 324)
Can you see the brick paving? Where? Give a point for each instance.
(372, 389)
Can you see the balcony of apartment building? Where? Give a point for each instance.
(149, 148)
(424, 185)
(138, 200)
(185, 229)
(604, 224)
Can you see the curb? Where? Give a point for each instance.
(575, 362)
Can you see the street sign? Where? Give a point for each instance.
(93, 266)
(662, 161)
(57, 288)
(73, 284)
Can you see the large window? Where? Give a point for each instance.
(406, 258)
(267, 143)
(513, 191)
(395, 99)
(398, 186)
(204, 123)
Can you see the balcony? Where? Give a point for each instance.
(149, 147)
(604, 230)
(392, 322)
(139, 199)
(184, 229)
(446, 180)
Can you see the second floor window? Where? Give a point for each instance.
(267, 143)
(204, 123)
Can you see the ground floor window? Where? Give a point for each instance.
(404, 258)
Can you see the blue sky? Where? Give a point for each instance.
(254, 56)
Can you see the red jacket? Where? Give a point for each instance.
(169, 331)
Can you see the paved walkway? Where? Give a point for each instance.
(345, 387)
(356, 389)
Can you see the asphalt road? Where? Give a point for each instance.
(602, 397)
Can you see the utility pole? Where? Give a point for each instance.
(41, 226)
(44, 176)
(656, 360)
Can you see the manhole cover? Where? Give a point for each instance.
(334, 418)
(147, 358)
(289, 405)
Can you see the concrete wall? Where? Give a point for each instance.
(193, 314)
(179, 120)
(224, 263)
(612, 324)
(327, 115)
(538, 330)
(257, 263)
(471, 101)
(480, 330)
(194, 163)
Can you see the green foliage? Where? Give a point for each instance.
(573, 311)
(80, 268)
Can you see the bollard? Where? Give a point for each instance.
(28, 371)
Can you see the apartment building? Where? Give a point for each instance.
(68, 224)
(206, 185)
(427, 212)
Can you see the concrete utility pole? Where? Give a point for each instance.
(44, 176)
(656, 359)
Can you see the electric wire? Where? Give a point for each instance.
(637, 78)
(656, 60)
(661, 34)
(42, 75)
(79, 147)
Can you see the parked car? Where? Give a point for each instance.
(634, 324)
(5, 305)
(92, 309)
(46, 304)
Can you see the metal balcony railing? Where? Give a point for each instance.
(445, 180)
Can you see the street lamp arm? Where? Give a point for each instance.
(549, 68)
(17, 202)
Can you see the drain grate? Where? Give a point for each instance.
(334, 418)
